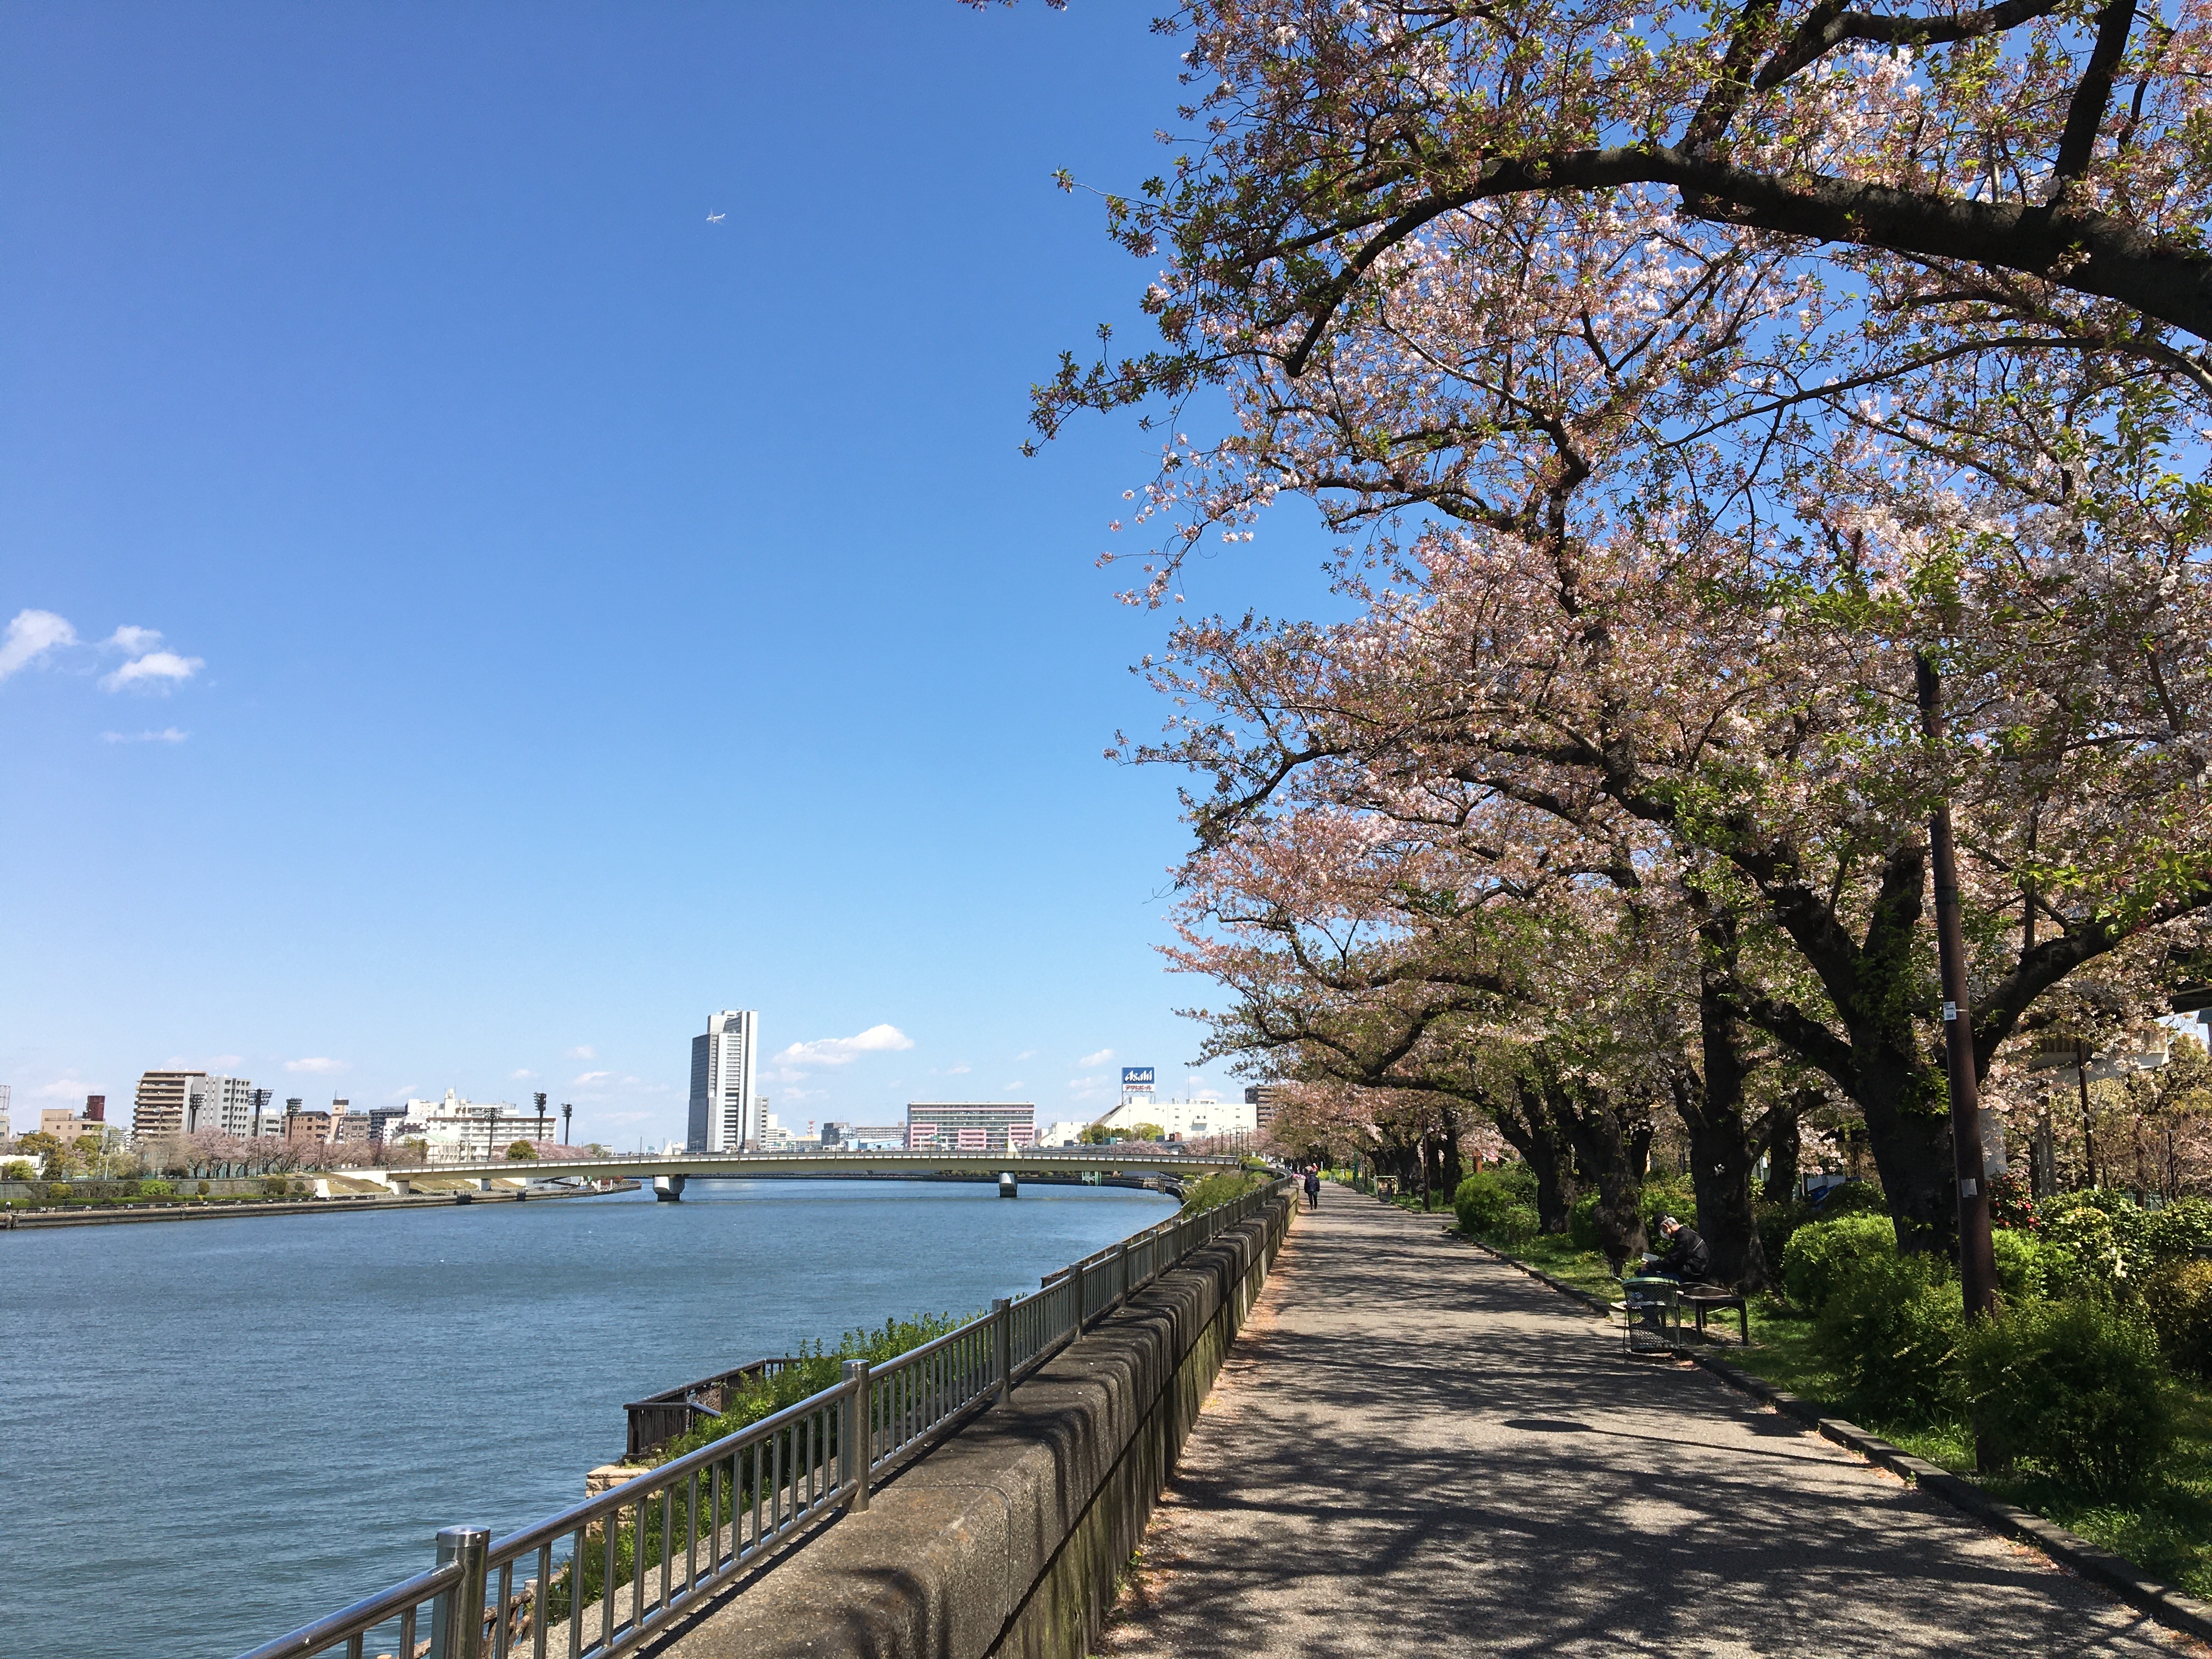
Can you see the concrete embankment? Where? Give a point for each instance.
(28, 1220)
(1008, 1538)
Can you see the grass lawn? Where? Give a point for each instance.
(2167, 1531)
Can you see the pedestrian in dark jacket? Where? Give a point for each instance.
(1313, 1189)
(1686, 1258)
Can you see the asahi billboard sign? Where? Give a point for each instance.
(1136, 1080)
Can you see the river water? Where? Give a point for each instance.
(212, 1432)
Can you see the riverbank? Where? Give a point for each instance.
(203, 1209)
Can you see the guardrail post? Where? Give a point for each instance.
(1076, 1276)
(457, 1615)
(1121, 1256)
(1002, 1345)
(857, 1432)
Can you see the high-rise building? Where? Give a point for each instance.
(224, 1107)
(726, 1116)
(7, 1092)
(166, 1105)
(969, 1126)
(1263, 1098)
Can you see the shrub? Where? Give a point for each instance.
(274, 1185)
(1852, 1198)
(2181, 1232)
(2107, 1245)
(203, 1189)
(1517, 1226)
(158, 1189)
(521, 1152)
(2178, 1296)
(1582, 1222)
(2012, 1203)
(18, 1169)
(57, 1192)
(131, 1189)
(1890, 1332)
(2023, 1265)
(1517, 1178)
(2072, 1388)
(1481, 1202)
(1671, 1196)
(1776, 1223)
(1822, 1253)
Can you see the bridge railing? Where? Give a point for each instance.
(600, 1577)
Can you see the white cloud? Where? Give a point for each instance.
(133, 641)
(156, 672)
(226, 1061)
(68, 1086)
(582, 1051)
(1026, 1053)
(167, 734)
(522, 1076)
(843, 1051)
(956, 1071)
(30, 636)
(1016, 1084)
(318, 1064)
(589, 1079)
(406, 1093)
(1098, 1059)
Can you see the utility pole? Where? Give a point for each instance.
(2088, 1129)
(540, 1098)
(1977, 1266)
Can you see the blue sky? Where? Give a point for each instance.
(514, 615)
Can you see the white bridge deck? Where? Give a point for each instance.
(668, 1173)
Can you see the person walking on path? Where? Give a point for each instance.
(1313, 1189)
(1414, 1449)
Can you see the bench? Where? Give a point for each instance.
(1702, 1300)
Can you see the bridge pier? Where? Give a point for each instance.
(1008, 1187)
(668, 1189)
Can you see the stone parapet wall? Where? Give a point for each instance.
(1008, 1538)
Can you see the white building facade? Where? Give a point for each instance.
(457, 1131)
(1183, 1120)
(726, 1114)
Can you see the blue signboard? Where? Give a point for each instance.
(1136, 1080)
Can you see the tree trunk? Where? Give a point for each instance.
(1529, 1130)
(1452, 1164)
(1602, 1131)
(1908, 1125)
(1785, 1141)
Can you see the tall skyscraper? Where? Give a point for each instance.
(725, 1117)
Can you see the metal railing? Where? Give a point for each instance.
(598, 1579)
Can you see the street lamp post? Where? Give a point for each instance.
(567, 1112)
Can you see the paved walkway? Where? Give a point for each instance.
(1414, 1447)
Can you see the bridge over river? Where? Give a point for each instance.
(669, 1173)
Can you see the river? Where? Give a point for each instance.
(212, 1432)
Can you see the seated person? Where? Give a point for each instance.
(1686, 1259)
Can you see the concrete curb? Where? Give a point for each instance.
(2175, 1609)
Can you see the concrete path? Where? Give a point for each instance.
(1413, 1447)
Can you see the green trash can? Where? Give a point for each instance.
(1654, 1308)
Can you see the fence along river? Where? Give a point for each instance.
(605, 1574)
(262, 1420)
